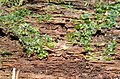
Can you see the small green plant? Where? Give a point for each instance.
(110, 48)
(83, 32)
(31, 40)
(105, 17)
(28, 36)
(110, 12)
(15, 16)
(48, 41)
(105, 55)
(109, 51)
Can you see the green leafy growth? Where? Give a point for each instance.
(106, 55)
(28, 36)
(48, 41)
(30, 39)
(15, 16)
(110, 48)
(110, 11)
(105, 17)
(83, 32)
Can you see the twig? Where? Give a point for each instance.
(17, 74)
(13, 75)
